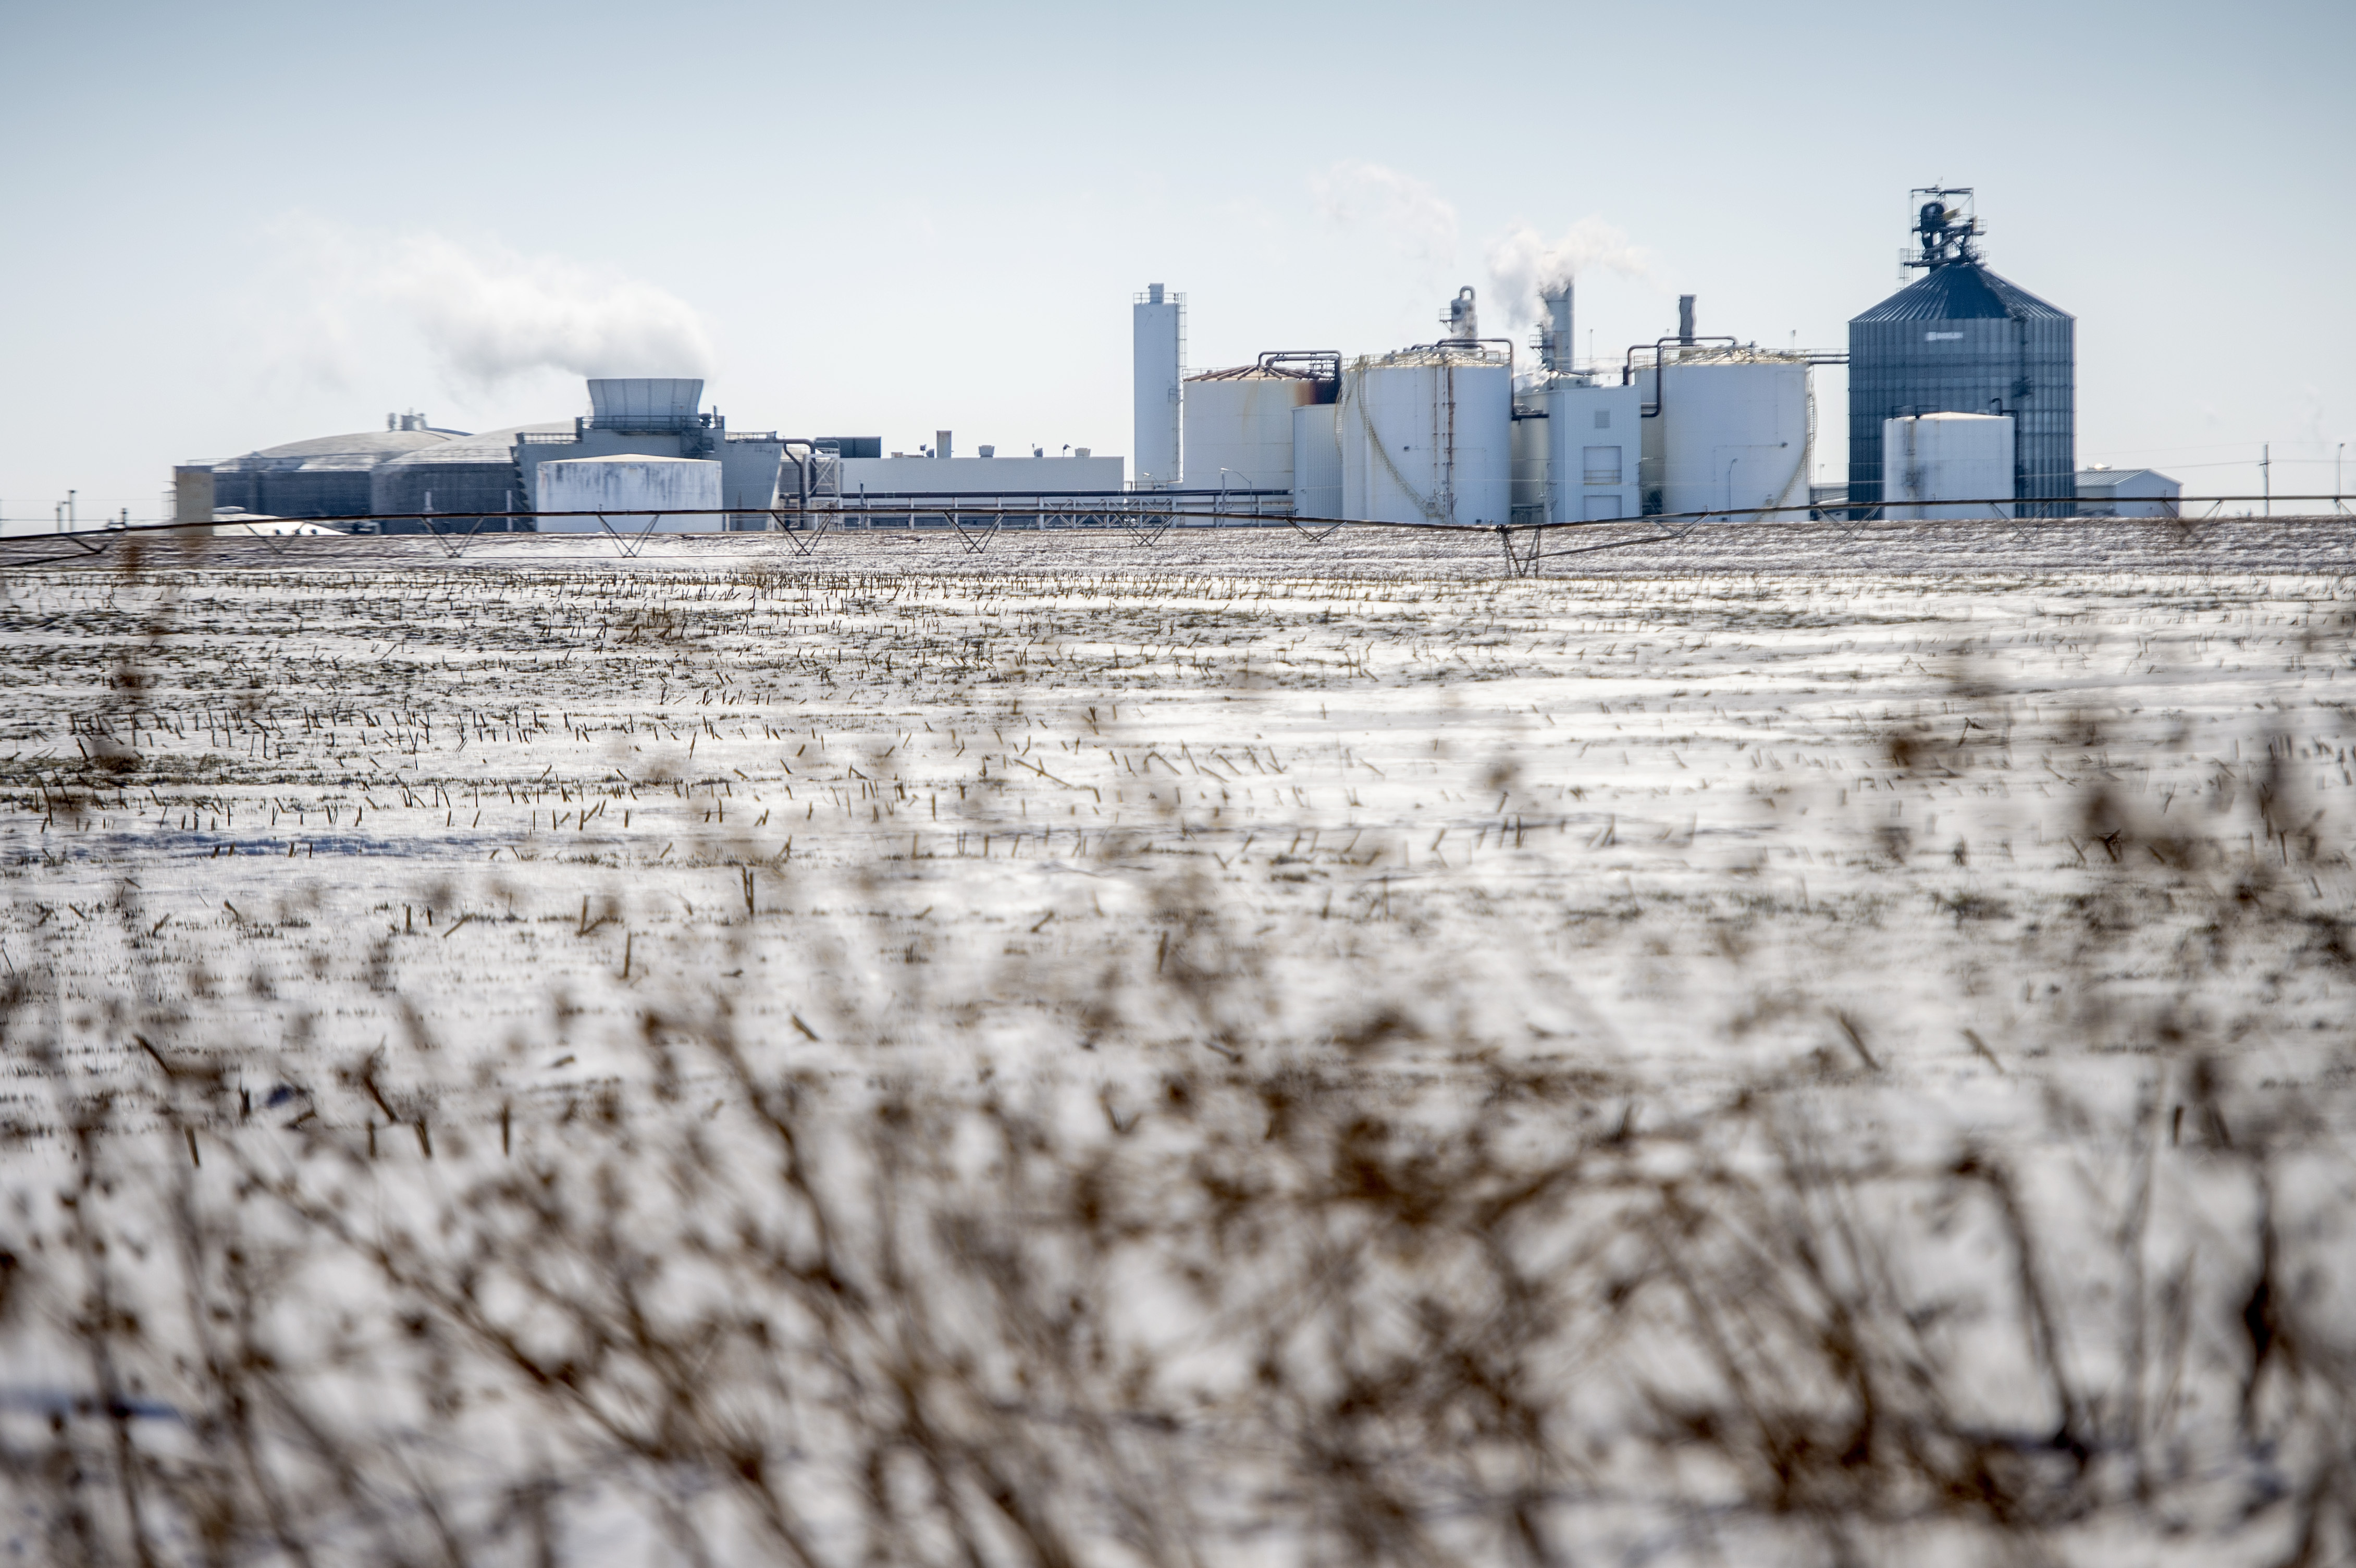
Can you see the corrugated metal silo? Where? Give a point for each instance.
(1960, 340)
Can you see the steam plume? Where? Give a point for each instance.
(1522, 263)
(491, 314)
(341, 297)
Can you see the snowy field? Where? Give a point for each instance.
(1803, 1045)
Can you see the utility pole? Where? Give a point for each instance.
(2266, 474)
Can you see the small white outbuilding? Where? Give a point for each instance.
(1963, 460)
(2105, 491)
(627, 482)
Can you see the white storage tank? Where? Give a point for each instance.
(1529, 449)
(630, 482)
(1595, 450)
(1317, 460)
(1238, 427)
(1965, 460)
(1732, 433)
(1427, 437)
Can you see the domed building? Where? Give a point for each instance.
(328, 476)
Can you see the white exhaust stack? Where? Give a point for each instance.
(1557, 349)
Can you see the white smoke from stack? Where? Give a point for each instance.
(340, 298)
(491, 314)
(1524, 263)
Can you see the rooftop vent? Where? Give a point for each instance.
(645, 402)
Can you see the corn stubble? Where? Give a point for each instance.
(1550, 1177)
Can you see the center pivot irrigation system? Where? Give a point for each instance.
(1142, 516)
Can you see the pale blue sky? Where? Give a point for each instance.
(234, 225)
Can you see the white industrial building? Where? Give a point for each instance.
(1595, 450)
(1464, 431)
(989, 475)
(2105, 491)
(1449, 433)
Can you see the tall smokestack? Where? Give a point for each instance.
(1557, 341)
(1685, 318)
(1462, 317)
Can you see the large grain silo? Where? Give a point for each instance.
(1960, 340)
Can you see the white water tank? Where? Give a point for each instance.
(1239, 429)
(1732, 433)
(1427, 437)
(1956, 458)
(1317, 460)
(630, 482)
(1595, 449)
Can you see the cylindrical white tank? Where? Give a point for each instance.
(1530, 455)
(1239, 428)
(1317, 460)
(1952, 457)
(1732, 433)
(629, 482)
(1427, 437)
(1158, 335)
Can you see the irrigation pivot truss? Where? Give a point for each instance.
(1146, 517)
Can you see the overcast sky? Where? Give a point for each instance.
(234, 225)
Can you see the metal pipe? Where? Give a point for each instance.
(1469, 343)
(1685, 318)
(1271, 359)
(801, 469)
(1628, 368)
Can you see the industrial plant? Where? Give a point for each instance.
(1961, 404)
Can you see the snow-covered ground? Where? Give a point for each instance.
(1884, 991)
